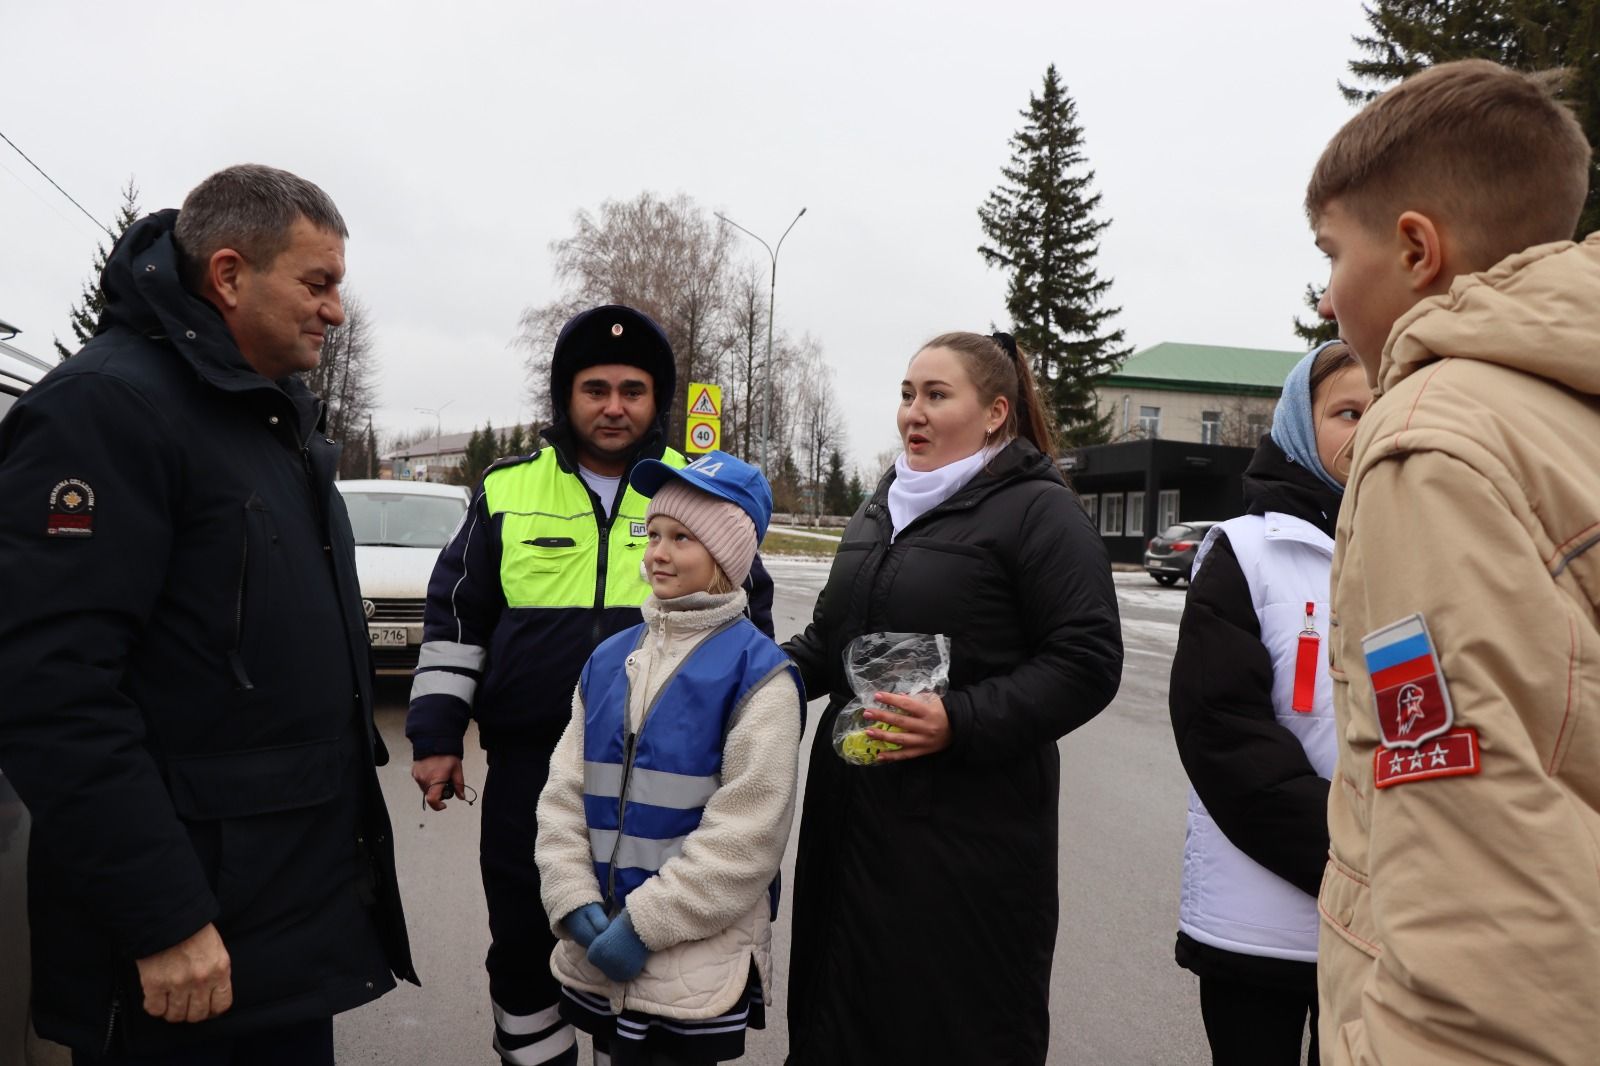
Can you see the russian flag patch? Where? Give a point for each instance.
(1413, 703)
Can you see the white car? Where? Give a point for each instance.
(18, 370)
(399, 528)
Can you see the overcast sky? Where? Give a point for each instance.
(459, 139)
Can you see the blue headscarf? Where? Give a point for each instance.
(1294, 424)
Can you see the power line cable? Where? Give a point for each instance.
(59, 189)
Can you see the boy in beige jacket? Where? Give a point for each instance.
(671, 792)
(1461, 903)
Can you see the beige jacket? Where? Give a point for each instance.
(705, 916)
(1461, 914)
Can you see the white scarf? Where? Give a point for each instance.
(913, 493)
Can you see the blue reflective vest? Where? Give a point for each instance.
(644, 793)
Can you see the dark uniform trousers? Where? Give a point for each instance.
(526, 996)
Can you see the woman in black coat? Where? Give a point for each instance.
(925, 887)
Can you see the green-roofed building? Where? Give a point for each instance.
(1185, 420)
(1203, 393)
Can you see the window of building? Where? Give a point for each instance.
(1167, 505)
(1135, 524)
(1210, 427)
(1111, 514)
(1256, 426)
(1091, 504)
(1150, 421)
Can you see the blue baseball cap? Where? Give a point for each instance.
(715, 473)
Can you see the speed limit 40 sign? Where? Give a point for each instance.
(704, 432)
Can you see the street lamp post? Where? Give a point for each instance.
(435, 412)
(772, 300)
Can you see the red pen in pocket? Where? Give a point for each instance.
(1305, 664)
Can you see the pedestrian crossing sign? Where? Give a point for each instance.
(705, 401)
(703, 430)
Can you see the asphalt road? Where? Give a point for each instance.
(1117, 998)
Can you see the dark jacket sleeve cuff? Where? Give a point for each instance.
(181, 924)
(426, 747)
(958, 710)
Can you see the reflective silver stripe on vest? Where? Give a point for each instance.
(658, 788)
(602, 779)
(444, 683)
(639, 853)
(449, 653)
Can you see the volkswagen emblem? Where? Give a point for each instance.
(368, 608)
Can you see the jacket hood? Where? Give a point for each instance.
(1537, 311)
(145, 293)
(1274, 482)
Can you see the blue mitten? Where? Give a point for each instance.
(586, 923)
(618, 951)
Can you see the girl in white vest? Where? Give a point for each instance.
(671, 792)
(1252, 711)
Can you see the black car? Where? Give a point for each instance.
(1170, 554)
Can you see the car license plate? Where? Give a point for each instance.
(387, 636)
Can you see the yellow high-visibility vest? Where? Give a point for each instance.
(551, 551)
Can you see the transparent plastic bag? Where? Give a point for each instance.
(910, 663)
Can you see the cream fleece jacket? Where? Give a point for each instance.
(705, 913)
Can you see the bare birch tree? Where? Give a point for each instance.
(663, 257)
(819, 424)
(746, 358)
(346, 379)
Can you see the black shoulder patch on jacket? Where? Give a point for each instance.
(512, 460)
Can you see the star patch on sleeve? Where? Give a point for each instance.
(1415, 714)
(1447, 755)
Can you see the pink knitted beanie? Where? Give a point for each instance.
(722, 527)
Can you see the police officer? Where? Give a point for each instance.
(545, 567)
(188, 710)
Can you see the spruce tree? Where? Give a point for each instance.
(857, 494)
(786, 495)
(835, 493)
(1042, 230)
(1319, 330)
(85, 314)
(1408, 35)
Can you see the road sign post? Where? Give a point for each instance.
(704, 429)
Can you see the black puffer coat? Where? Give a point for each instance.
(187, 706)
(930, 885)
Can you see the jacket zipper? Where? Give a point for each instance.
(622, 817)
(111, 1023)
(236, 654)
(630, 744)
(603, 521)
(600, 582)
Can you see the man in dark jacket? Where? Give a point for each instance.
(189, 710)
(545, 567)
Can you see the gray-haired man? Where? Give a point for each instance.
(189, 714)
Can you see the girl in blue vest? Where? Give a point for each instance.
(671, 792)
(1252, 710)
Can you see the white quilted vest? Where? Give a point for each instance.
(1228, 900)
